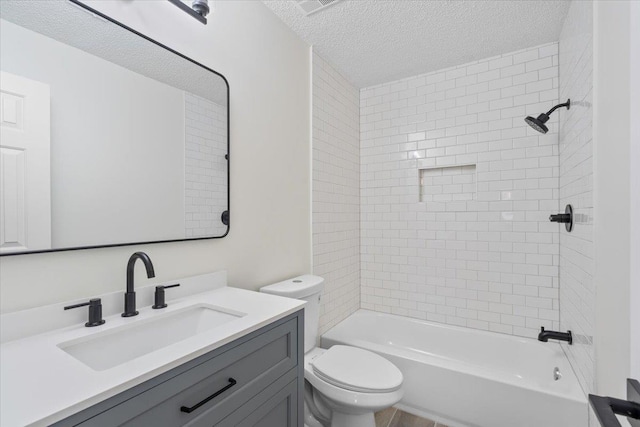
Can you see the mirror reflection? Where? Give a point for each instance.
(107, 137)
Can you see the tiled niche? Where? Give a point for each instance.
(448, 184)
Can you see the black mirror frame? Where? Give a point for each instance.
(228, 155)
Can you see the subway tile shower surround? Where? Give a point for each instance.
(336, 192)
(205, 184)
(577, 292)
(456, 192)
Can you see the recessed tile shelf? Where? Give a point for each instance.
(448, 184)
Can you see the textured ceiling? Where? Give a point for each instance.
(72, 25)
(376, 41)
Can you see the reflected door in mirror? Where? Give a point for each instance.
(25, 199)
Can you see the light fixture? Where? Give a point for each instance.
(199, 9)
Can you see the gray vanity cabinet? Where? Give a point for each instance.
(256, 380)
(270, 408)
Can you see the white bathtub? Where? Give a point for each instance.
(464, 377)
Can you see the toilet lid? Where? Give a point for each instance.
(356, 369)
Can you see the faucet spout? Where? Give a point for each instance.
(544, 336)
(148, 265)
(130, 295)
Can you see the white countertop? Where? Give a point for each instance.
(42, 384)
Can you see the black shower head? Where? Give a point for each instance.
(539, 122)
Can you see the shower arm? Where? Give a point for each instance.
(566, 104)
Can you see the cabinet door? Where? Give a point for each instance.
(271, 408)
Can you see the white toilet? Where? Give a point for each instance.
(344, 385)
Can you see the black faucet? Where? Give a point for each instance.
(130, 295)
(555, 335)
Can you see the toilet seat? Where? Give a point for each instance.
(343, 400)
(356, 369)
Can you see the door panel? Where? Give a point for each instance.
(25, 178)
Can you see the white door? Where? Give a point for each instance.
(635, 192)
(25, 179)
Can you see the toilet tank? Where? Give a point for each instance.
(307, 288)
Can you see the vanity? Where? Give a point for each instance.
(215, 355)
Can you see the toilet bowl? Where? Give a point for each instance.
(344, 386)
(352, 384)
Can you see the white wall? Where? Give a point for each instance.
(634, 301)
(489, 261)
(268, 68)
(611, 138)
(93, 154)
(336, 192)
(577, 292)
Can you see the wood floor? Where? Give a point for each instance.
(394, 417)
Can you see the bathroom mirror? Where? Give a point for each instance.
(108, 137)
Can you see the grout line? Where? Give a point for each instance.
(395, 412)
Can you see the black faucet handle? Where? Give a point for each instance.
(95, 311)
(159, 301)
(565, 218)
(562, 218)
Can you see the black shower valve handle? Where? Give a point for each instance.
(565, 218)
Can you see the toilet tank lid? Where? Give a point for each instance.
(297, 287)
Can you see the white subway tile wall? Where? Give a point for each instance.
(487, 263)
(577, 291)
(205, 166)
(336, 192)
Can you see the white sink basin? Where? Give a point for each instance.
(104, 350)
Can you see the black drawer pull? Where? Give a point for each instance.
(189, 410)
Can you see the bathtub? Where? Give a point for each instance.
(468, 378)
